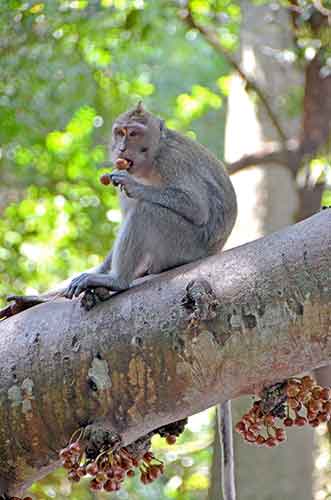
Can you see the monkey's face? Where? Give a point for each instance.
(136, 142)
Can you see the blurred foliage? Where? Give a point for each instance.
(67, 69)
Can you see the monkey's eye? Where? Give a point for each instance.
(133, 133)
(120, 132)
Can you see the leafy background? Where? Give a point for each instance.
(67, 69)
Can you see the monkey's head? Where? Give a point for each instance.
(136, 138)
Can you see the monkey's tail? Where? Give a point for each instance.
(226, 436)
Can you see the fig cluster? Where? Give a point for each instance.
(305, 403)
(109, 470)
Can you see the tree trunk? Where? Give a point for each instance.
(164, 350)
(268, 200)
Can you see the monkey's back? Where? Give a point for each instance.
(188, 215)
(190, 165)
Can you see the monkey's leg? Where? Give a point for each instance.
(151, 240)
(224, 415)
(128, 256)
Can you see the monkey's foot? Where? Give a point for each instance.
(19, 304)
(91, 297)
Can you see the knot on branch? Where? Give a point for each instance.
(273, 398)
(200, 301)
(141, 446)
(172, 429)
(98, 438)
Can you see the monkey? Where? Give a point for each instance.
(177, 200)
(178, 206)
(178, 203)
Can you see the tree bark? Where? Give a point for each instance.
(153, 355)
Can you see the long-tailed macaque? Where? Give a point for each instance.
(178, 202)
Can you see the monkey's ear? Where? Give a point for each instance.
(139, 108)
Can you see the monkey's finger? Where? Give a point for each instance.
(76, 281)
(119, 178)
(119, 175)
(115, 183)
(72, 291)
(80, 288)
(73, 282)
(77, 285)
(78, 278)
(69, 293)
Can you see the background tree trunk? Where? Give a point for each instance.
(268, 200)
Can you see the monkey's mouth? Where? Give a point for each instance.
(124, 164)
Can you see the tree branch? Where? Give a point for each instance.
(323, 10)
(212, 38)
(164, 350)
(289, 157)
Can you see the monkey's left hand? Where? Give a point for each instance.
(84, 282)
(128, 184)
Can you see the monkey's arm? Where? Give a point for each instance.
(106, 265)
(175, 198)
(178, 201)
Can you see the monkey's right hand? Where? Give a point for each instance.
(127, 183)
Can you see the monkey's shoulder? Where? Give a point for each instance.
(182, 151)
